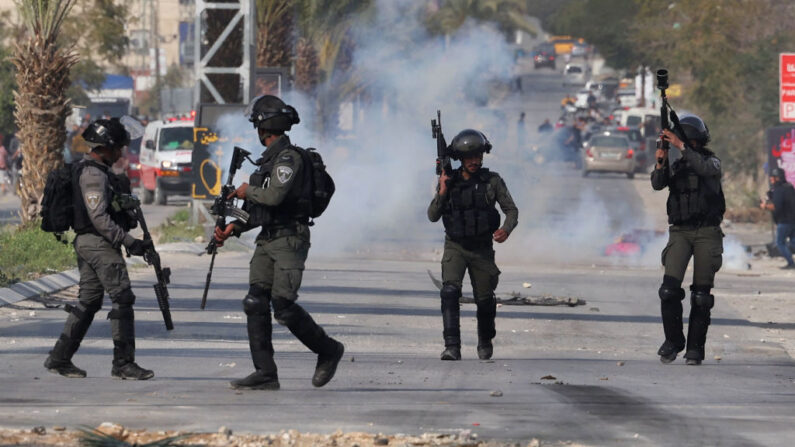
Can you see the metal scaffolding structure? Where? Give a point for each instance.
(207, 49)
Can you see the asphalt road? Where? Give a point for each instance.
(608, 386)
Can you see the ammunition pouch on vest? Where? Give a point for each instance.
(118, 185)
(471, 212)
(286, 213)
(694, 200)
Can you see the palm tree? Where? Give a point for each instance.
(41, 103)
(274, 33)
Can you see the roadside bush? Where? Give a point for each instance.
(177, 228)
(27, 252)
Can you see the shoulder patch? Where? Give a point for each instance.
(286, 157)
(92, 199)
(284, 173)
(716, 162)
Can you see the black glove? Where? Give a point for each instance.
(139, 247)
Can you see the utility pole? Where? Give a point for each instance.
(156, 39)
(642, 74)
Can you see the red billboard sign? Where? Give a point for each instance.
(787, 87)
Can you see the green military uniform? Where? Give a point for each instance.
(695, 209)
(101, 232)
(276, 268)
(470, 219)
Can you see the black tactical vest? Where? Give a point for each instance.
(693, 200)
(117, 184)
(470, 213)
(286, 213)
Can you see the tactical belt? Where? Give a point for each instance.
(271, 233)
(473, 244)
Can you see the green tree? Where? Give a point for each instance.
(97, 30)
(7, 81)
(607, 24)
(42, 76)
(508, 15)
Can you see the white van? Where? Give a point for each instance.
(634, 117)
(166, 160)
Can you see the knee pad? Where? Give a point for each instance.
(286, 312)
(702, 298)
(256, 302)
(671, 289)
(125, 297)
(121, 312)
(83, 311)
(671, 294)
(450, 293)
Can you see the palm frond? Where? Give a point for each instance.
(91, 437)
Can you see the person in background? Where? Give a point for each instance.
(781, 201)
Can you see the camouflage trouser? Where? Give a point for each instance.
(483, 272)
(102, 269)
(278, 265)
(704, 244)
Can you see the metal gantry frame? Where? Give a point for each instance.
(245, 12)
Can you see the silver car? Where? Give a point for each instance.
(608, 152)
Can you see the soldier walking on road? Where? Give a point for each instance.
(465, 201)
(101, 231)
(695, 210)
(273, 198)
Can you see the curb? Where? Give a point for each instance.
(59, 281)
(30, 289)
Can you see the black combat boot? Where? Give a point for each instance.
(60, 359)
(700, 304)
(258, 380)
(486, 313)
(301, 324)
(671, 296)
(131, 371)
(260, 330)
(327, 365)
(451, 352)
(451, 325)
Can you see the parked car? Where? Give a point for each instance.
(574, 74)
(638, 144)
(165, 160)
(608, 152)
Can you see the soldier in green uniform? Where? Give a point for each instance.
(465, 201)
(273, 198)
(695, 210)
(101, 231)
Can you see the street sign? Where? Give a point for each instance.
(787, 87)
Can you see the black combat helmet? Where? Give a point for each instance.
(270, 113)
(467, 143)
(106, 133)
(695, 129)
(779, 173)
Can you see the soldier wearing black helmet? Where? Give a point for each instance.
(782, 203)
(101, 231)
(465, 201)
(271, 197)
(695, 210)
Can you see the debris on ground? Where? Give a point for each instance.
(517, 299)
(111, 434)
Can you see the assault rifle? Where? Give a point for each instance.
(442, 154)
(223, 207)
(152, 258)
(667, 114)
